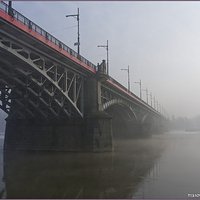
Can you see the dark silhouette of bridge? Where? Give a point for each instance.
(57, 99)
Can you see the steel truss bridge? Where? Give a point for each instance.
(42, 78)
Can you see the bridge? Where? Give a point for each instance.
(58, 100)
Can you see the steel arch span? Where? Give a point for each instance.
(37, 85)
(120, 102)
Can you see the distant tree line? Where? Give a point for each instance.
(184, 123)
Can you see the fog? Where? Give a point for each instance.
(161, 44)
(185, 124)
(158, 40)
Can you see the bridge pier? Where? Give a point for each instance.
(98, 122)
(99, 132)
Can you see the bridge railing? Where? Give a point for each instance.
(131, 94)
(19, 17)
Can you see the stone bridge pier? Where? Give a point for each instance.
(98, 135)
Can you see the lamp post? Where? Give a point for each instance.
(10, 4)
(78, 42)
(146, 94)
(154, 102)
(10, 9)
(157, 106)
(127, 69)
(106, 46)
(140, 83)
(150, 98)
(162, 110)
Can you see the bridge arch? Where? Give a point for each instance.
(147, 123)
(123, 104)
(124, 118)
(50, 86)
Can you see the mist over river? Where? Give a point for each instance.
(163, 166)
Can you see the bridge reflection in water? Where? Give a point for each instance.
(81, 175)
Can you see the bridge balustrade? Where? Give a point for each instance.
(31, 25)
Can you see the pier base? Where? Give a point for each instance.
(99, 132)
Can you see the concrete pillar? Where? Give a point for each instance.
(99, 132)
(98, 123)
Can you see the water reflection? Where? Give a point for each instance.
(177, 170)
(81, 175)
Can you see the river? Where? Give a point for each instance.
(164, 166)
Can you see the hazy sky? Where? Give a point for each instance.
(160, 41)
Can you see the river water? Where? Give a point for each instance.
(164, 166)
